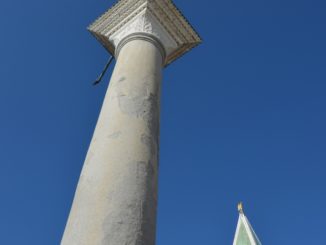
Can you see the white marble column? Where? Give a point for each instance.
(116, 198)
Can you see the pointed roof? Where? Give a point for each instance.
(245, 234)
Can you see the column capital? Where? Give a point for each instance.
(153, 20)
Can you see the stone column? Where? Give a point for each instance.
(116, 198)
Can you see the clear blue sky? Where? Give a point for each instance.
(243, 118)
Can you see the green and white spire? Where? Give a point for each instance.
(245, 234)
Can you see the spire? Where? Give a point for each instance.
(245, 235)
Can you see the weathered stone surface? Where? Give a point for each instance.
(115, 202)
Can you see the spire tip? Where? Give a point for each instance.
(240, 207)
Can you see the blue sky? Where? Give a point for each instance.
(243, 118)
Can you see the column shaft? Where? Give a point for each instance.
(116, 198)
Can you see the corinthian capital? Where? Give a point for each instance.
(159, 19)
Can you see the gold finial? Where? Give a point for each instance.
(240, 207)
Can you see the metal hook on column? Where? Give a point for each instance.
(99, 79)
